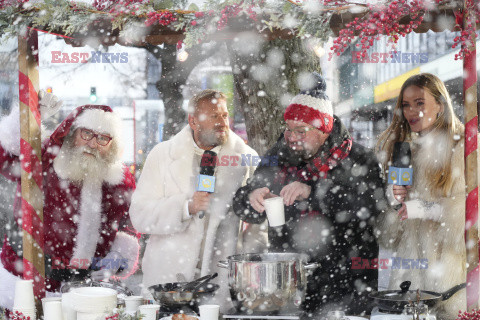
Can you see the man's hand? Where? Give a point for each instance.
(295, 191)
(400, 192)
(109, 266)
(199, 202)
(257, 198)
(49, 104)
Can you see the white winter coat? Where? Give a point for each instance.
(159, 204)
(434, 229)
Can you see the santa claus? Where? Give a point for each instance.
(87, 193)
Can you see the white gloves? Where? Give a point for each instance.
(49, 104)
(109, 266)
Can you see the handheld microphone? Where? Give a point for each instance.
(400, 173)
(206, 178)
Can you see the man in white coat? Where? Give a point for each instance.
(167, 206)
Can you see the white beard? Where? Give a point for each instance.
(72, 164)
(90, 170)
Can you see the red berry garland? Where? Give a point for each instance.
(380, 20)
(17, 315)
(468, 34)
(384, 20)
(226, 13)
(11, 3)
(472, 315)
(163, 18)
(112, 317)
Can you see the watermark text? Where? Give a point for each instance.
(94, 263)
(92, 57)
(392, 263)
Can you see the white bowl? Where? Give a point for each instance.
(94, 299)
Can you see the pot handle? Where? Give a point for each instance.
(222, 264)
(311, 266)
(450, 292)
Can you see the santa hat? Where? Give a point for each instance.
(312, 106)
(99, 120)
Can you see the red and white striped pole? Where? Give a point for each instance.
(471, 174)
(31, 164)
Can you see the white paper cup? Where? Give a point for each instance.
(49, 299)
(148, 311)
(275, 211)
(209, 311)
(132, 303)
(52, 310)
(69, 312)
(336, 315)
(24, 299)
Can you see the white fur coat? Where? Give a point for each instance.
(434, 229)
(159, 204)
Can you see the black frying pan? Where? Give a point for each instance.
(183, 293)
(396, 300)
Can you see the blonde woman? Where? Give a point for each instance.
(430, 222)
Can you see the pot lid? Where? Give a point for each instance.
(269, 257)
(406, 295)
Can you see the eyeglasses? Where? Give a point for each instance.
(101, 139)
(300, 133)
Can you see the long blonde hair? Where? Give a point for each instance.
(399, 130)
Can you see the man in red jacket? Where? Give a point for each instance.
(87, 192)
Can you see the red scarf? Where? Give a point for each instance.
(317, 168)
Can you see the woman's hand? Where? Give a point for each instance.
(402, 212)
(400, 192)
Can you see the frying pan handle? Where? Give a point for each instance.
(204, 281)
(405, 285)
(450, 292)
(311, 266)
(222, 264)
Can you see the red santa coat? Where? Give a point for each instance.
(62, 208)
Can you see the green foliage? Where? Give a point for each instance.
(162, 4)
(67, 17)
(122, 315)
(193, 7)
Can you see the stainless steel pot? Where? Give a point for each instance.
(267, 282)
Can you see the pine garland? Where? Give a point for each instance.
(69, 17)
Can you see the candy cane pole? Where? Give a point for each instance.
(471, 175)
(31, 165)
